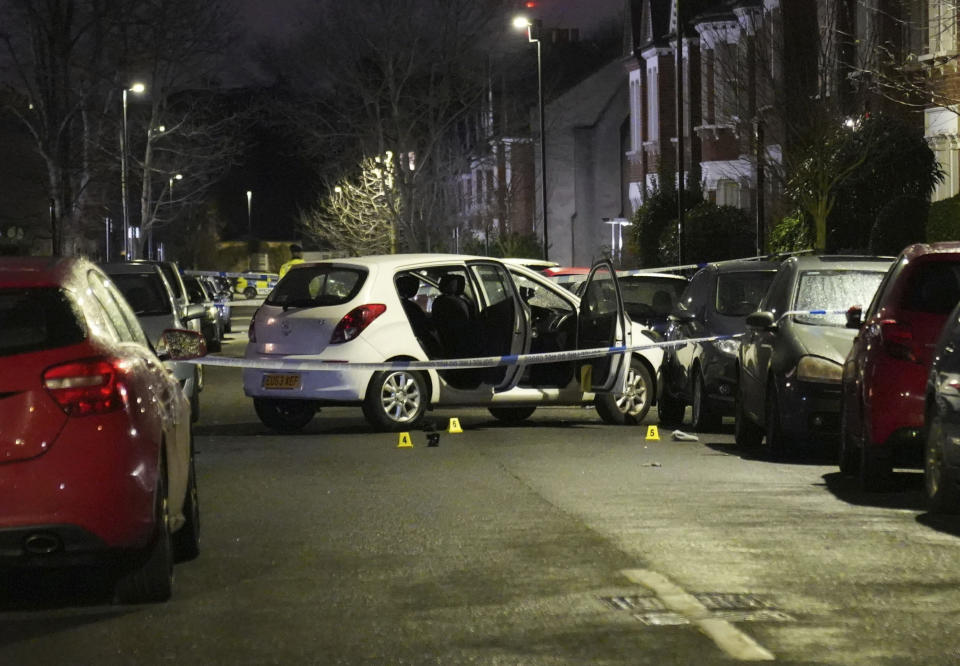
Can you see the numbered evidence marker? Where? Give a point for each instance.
(404, 441)
(653, 435)
(454, 427)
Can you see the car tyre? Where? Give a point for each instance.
(284, 415)
(631, 406)
(876, 465)
(939, 480)
(703, 415)
(512, 414)
(849, 453)
(186, 540)
(778, 443)
(395, 399)
(669, 408)
(148, 577)
(250, 293)
(746, 433)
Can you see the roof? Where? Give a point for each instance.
(840, 261)
(37, 270)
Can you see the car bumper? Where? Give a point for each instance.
(92, 490)
(720, 381)
(336, 385)
(810, 411)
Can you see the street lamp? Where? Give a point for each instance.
(521, 22)
(137, 88)
(250, 213)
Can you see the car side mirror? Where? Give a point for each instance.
(761, 319)
(178, 345)
(855, 317)
(527, 293)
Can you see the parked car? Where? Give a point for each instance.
(790, 363)
(538, 265)
(221, 298)
(941, 460)
(370, 309)
(255, 285)
(96, 439)
(145, 286)
(210, 324)
(171, 271)
(649, 297)
(704, 374)
(886, 371)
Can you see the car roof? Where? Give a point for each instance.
(131, 268)
(840, 261)
(39, 271)
(911, 252)
(652, 274)
(740, 265)
(396, 261)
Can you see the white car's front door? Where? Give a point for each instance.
(602, 323)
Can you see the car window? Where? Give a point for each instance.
(33, 319)
(493, 282)
(146, 293)
(649, 295)
(933, 287)
(688, 299)
(173, 279)
(833, 290)
(778, 295)
(315, 286)
(133, 324)
(739, 294)
(117, 321)
(195, 291)
(538, 295)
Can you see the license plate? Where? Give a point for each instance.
(275, 381)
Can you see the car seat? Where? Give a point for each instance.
(452, 317)
(407, 288)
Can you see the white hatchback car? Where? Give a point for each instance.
(424, 307)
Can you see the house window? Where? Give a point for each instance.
(728, 193)
(653, 109)
(943, 26)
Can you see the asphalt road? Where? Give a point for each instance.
(562, 541)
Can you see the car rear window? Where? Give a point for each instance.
(739, 293)
(35, 319)
(315, 286)
(145, 292)
(647, 295)
(934, 287)
(834, 290)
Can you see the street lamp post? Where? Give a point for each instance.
(523, 22)
(137, 88)
(250, 213)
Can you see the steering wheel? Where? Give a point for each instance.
(559, 321)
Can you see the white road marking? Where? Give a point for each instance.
(727, 637)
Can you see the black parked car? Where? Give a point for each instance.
(703, 374)
(941, 460)
(791, 365)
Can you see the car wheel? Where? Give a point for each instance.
(746, 433)
(148, 576)
(395, 399)
(849, 453)
(186, 540)
(703, 416)
(938, 478)
(876, 466)
(777, 441)
(249, 293)
(670, 408)
(512, 414)
(284, 415)
(629, 407)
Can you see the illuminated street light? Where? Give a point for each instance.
(522, 22)
(250, 213)
(137, 88)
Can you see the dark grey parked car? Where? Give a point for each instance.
(790, 366)
(941, 459)
(703, 374)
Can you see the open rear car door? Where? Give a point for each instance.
(602, 323)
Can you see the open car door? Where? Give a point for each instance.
(602, 323)
(504, 322)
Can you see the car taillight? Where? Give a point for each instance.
(85, 387)
(355, 321)
(898, 340)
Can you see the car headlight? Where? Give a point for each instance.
(728, 346)
(819, 369)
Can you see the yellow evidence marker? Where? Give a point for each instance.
(586, 378)
(454, 427)
(404, 441)
(653, 435)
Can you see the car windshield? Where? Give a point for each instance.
(38, 318)
(314, 286)
(834, 290)
(739, 293)
(145, 292)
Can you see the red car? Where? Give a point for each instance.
(885, 373)
(96, 460)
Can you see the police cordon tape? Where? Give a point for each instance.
(467, 363)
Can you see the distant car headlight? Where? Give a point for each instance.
(728, 346)
(211, 312)
(819, 369)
